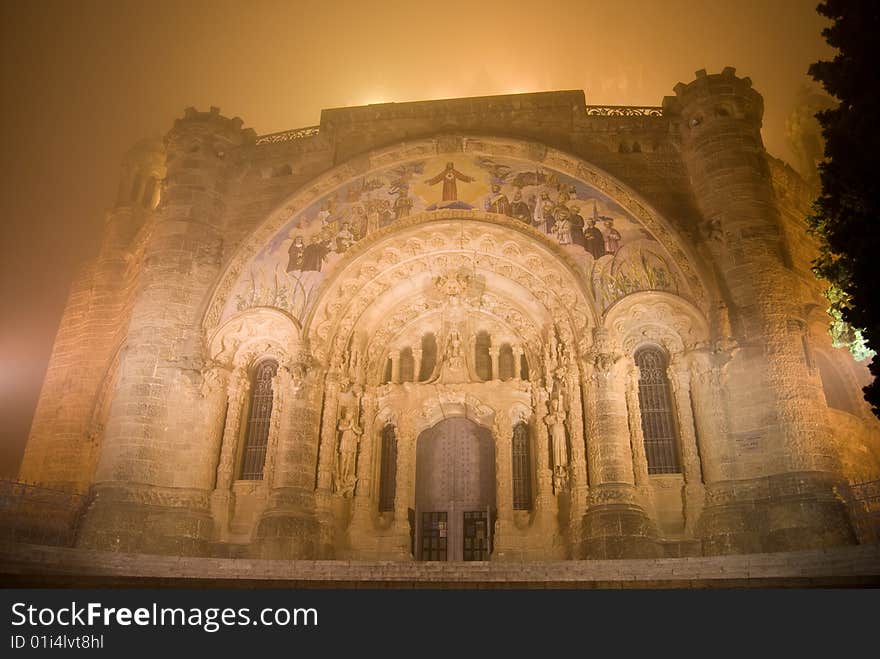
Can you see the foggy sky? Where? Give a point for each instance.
(84, 81)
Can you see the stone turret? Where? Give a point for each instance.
(779, 446)
(155, 423)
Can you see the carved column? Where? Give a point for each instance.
(404, 495)
(215, 393)
(493, 354)
(502, 433)
(417, 363)
(327, 450)
(281, 385)
(637, 436)
(616, 524)
(237, 393)
(221, 498)
(394, 355)
(710, 420)
(363, 500)
(517, 362)
(578, 460)
(546, 505)
(694, 494)
(288, 527)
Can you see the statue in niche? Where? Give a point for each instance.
(559, 444)
(349, 438)
(453, 348)
(557, 357)
(453, 368)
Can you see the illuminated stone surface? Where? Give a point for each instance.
(540, 245)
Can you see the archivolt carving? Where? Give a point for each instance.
(252, 334)
(453, 402)
(660, 318)
(552, 283)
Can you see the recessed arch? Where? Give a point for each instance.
(409, 267)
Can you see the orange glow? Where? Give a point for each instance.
(89, 80)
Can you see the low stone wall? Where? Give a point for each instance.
(33, 565)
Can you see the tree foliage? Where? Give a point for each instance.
(846, 216)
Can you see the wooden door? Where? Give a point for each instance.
(455, 475)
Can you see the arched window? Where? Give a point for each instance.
(257, 432)
(522, 472)
(386, 375)
(505, 362)
(407, 365)
(482, 359)
(833, 385)
(658, 419)
(429, 356)
(388, 469)
(523, 367)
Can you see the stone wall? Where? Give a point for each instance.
(146, 409)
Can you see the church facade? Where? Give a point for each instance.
(506, 328)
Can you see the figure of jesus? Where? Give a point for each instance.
(449, 177)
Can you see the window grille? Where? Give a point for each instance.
(658, 418)
(522, 472)
(257, 437)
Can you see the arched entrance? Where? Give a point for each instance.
(455, 491)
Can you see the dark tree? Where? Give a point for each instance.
(846, 216)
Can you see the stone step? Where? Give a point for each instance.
(41, 565)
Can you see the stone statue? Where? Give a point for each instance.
(349, 438)
(556, 422)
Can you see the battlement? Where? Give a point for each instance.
(231, 127)
(728, 95)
